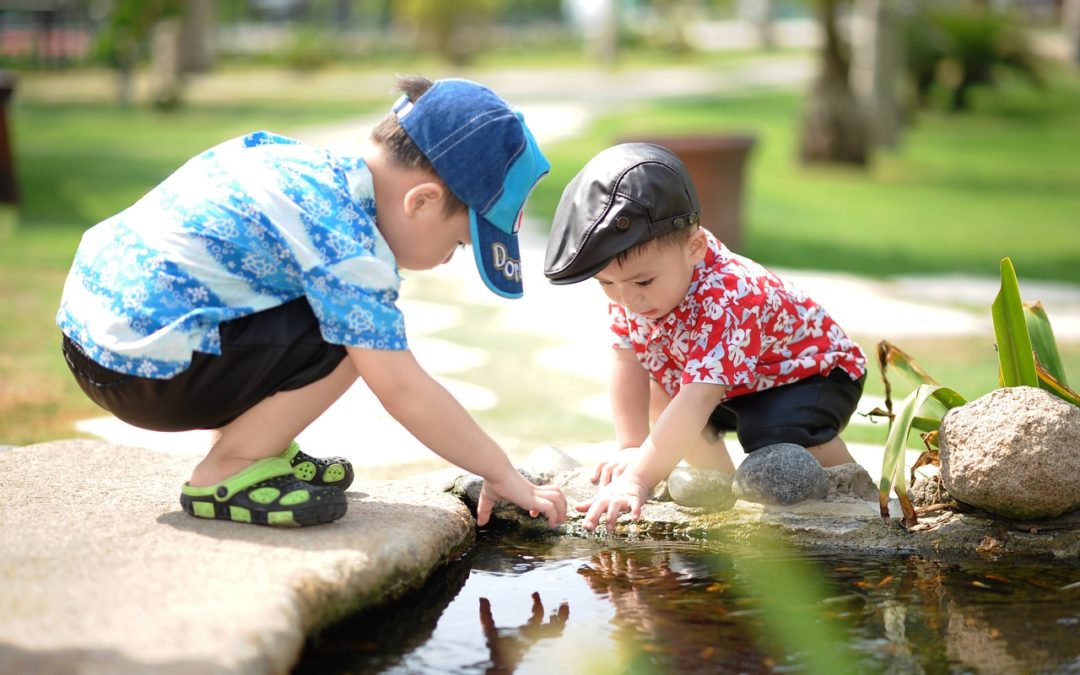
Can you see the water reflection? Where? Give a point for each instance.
(507, 646)
(613, 606)
(682, 619)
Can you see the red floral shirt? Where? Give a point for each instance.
(741, 326)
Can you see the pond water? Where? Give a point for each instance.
(601, 605)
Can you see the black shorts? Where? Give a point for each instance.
(275, 350)
(808, 412)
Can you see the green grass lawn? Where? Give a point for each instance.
(961, 192)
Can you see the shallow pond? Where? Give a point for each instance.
(573, 605)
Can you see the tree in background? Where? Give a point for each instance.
(833, 126)
(1070, 22)
(129, 25)
(876, 68)
(454, 29)
(177, 35)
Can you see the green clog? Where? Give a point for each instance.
(333, 471)
(265, 493)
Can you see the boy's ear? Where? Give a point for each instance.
(421, 196)
(697, 245)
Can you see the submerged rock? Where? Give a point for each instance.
(784, 473)
(704, 488)
(1014, 452)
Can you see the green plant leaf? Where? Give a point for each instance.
(926, 424)
(892, 466)
(1010, 328)
(1042, 340)
(1052, 385)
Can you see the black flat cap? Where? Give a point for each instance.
(625, 195)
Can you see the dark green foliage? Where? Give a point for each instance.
(956, 49)
(128, 28)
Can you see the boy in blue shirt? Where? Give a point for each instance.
(251, 288)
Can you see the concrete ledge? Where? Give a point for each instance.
(103, 573)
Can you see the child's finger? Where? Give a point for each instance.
(483, 510)
(592, 518)
(613, 511)
(596, 472)
(547, 508)
(606, 477)
(583, 506)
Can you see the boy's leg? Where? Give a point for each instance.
(709, 450)
(268, 427)
(832, 453)
(810, 413)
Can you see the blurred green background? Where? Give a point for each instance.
(946, 140)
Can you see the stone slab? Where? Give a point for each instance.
(103, 573)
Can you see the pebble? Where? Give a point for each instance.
(702, 488)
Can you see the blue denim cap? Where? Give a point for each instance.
(488, 158)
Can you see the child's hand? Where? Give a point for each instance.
(536, 499)
(617, 497)
(610, 469)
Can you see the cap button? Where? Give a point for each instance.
(622, 223)
(679, 223)
(694, 218)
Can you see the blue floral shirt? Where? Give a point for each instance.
(246, 226)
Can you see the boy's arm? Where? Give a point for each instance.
(629, 411)
(436, 419)
(675, 431)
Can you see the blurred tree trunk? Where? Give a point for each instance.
(165, 77)
(602, 31)
(761, 15)
(876, 69)
(833, 127)
(197, 36)
(1070, 22)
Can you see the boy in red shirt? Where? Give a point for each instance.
(706, 341)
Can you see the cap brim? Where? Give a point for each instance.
(498, 257)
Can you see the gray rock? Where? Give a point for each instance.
(849, 481)
(702, 488)
(1014, 452)
(466, 487)
(928, 491)
(546, 461)
(784, 473)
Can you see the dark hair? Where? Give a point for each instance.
(400, 149)
(673, 238)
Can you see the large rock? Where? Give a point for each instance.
(103, 573)
(784, 473)
(1014, 452)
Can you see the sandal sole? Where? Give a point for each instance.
(316, 514)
